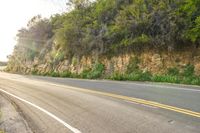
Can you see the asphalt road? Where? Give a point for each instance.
(51, 105)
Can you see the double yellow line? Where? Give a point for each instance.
(136, 100)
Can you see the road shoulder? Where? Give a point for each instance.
(11, 121)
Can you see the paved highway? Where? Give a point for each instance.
(53, 105)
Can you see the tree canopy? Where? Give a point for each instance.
(110, 27)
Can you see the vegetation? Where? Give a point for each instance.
(173, 76)
(94, 73)
(3, 63)
(106, 28)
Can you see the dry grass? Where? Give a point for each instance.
(1, 131)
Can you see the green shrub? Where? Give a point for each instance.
(74, 61)
(139, 76)
(34, 72)
(173, 71)
(133, 65)
(188, 70)
(145, 76)
(66, 74)
(59, 56)
(74, 75)
(54, 74)
(84, 74)
(96, 71)
(118, 76)
(195, 81)
(191, 80)
(133, 76)
(165, 78)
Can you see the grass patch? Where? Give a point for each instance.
(165, 78)
(117, 76)
(188, 70)
(95, 72)
(1, 131)
(193, 80)
(173, 75)
(65, 74)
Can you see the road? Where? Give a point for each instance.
(57, 105)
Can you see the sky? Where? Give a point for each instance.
(14, 14)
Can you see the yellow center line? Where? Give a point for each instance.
(136, 100)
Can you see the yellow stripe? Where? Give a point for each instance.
(136, 100)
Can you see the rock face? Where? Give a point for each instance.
(155, 62)
(197, 69)
(149, 61)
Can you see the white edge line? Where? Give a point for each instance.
(74, 130)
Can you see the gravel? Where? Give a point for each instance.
(11, 121)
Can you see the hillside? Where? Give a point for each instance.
(154, 40)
